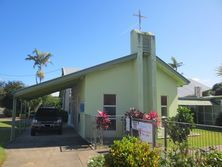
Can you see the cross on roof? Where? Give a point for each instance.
(140, 17)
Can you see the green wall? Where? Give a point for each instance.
(78, 96)
(166, 86)
(120, 80)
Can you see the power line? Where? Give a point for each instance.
(27, 75)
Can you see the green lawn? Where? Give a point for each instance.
(199, 139)
(2, 155)
(5, 131)
(5, 136)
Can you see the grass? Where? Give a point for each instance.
(5, 136)
(199, 138)
(5, 132)
(2, 155)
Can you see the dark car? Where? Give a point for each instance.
(46, 119)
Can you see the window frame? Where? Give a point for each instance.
(110, 106)
(164, 106)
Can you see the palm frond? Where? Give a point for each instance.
(219, 71)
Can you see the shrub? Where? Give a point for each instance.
(177, 131)
(152, 115)
(177, 156)
(134, 113)
(102, 120)
(200, 158)
(132, 152)
(97, 161)
(211, 158)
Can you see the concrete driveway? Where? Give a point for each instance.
(48, 150)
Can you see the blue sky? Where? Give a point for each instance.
(84, 33)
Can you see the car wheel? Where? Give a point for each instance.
(32, 133)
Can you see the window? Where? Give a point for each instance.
(109, 106)
(164, 106)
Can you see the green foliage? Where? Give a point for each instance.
(211, 158)
(175, 64)
(217, 89)
(132, 152)
(219, 71)
(7, 89)
(200, 158)
(177, 157)
(207, 92)
(97, 161)
(2, 155)
(51, 101)
(180, 126)
(40, 59)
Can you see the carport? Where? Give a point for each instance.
(45, 88)
(58, 84)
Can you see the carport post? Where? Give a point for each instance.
(25, 112)
(20, 117)
(12, 137)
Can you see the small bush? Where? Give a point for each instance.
(177, 131)
(132, 152)
(200, 158)
(97, 161)
(211, 158)
(177, 157)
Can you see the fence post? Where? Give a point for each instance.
(164, 121)
(131, 129)
(154, 132)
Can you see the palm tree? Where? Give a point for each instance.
(40, 59)
(175, 64)
(219, 71)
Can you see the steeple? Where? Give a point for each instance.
(143, 44)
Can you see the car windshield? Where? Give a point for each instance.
(47, 112)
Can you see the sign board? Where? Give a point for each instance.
(127, 124)
(145, 131)
(135, 124)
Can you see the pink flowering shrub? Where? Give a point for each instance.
(152, 116)
(102, 120)
(134, 113)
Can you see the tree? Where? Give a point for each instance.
(219, 71)
(175, 64)
(180, 126)
(217, 89)
(7, 90)
(40, 59)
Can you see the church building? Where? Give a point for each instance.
(140, 80)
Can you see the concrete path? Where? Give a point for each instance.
(48, 150)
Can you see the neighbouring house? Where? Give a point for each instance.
(206, 109)
(140, 80)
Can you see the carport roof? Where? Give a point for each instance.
(64, 82)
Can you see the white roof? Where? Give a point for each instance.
(188, 90)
